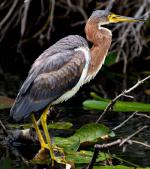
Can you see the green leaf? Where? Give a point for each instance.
(84, 157)
(17, 126)
(97, 97)
(60, 125)
(120, 106)
(110, 59)
(87, 134)
(69, 144)
(91, 132)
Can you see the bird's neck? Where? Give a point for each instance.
(101, 38)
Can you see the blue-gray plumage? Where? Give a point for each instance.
(53, 73)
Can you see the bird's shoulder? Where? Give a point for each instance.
(59, 53)
(67, 43)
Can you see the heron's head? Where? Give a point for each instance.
(105, 17)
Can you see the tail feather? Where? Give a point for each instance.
(22, 109)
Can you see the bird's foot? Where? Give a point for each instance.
(59, 155)
(43, 155)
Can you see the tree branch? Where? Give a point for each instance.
(125, 121)
(110, 5)
(119, 142)
(123, 93)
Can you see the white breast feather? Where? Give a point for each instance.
(81, 81)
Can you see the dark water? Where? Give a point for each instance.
(11, 157)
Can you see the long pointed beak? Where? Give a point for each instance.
(117, 18)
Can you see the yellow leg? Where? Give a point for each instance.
(48, 139)
(44, 125)
(40, 137)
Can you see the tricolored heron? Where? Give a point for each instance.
(59, 72)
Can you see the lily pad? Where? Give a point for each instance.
(87, 134)
(84, 157)
(91, 132)
(69, 144)
(60, 125)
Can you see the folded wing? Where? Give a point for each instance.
(51, 83)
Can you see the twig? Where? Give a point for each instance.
(4, 128)
(97, 148)
(125, 121)
(24, 17)
(9, 14)
(142, 115)
(129, 34)
(52, 9)
(91, 164)
(124, 93)
(141, 143)
(103, 146)
(136, 85)
(132, 135)
(110, 5)
(47, 23)
(77, 8)
(119, 142)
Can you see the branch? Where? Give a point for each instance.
(141, 143)
(125, 121)
(119, 142)
(24, 17)
(142, 115)
(132, 135)
(124, 93)
(9, 14)
(52, 18)
(110, 5)
(129, 34)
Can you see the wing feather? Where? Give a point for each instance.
(52, 59)
(54, 72)
(49, 86)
